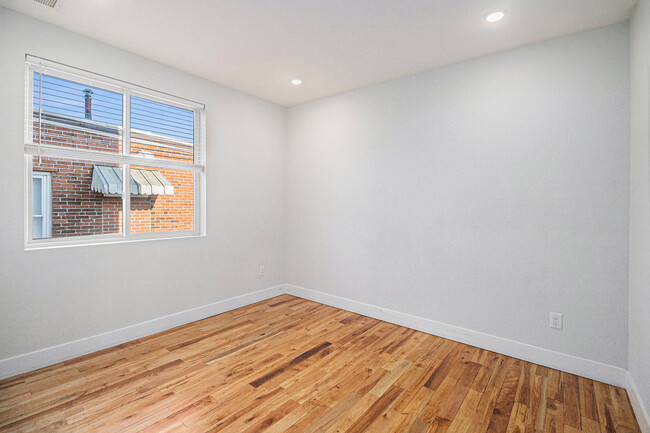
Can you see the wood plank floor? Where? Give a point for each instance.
(290, 365)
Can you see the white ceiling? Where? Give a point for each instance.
(258, 46)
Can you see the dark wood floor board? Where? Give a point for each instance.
(291, 365)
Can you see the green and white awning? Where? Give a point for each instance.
(108, 181)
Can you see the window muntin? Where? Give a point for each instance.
(158, 144)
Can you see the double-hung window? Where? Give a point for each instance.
(108, 161)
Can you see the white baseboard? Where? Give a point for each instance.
(52, 355)
(527, 352)
(642, 415)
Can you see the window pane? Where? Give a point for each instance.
(76, 115)
(37, 227)
(86, 197)
(37, 196)
(162, 200)
(161, 130)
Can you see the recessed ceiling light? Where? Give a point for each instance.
(296, 82)
(495, 16)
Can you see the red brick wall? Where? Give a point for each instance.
(166, 212)
(77, 211)
(159, 152)
(67, 136)
(111, 215)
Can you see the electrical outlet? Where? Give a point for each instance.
(261, 271)
(557, 321)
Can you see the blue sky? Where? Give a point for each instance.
(67, 97)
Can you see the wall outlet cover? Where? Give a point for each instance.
(556, 321)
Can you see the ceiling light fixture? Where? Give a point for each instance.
(296, 82)
(495, 16)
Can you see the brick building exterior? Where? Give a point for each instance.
(76, 210)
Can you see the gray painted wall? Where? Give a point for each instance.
(485, 194)
(639, 356)
(48, 297)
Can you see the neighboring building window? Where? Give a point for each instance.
(41, 205)
(85, 134)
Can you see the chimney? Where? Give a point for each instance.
(89, 103)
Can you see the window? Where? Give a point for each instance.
(41, 205)
(85, 134)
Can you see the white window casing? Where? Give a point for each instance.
(34, 148)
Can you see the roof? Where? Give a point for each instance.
(111, 130)
(108, 181)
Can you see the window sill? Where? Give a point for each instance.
(103, 240)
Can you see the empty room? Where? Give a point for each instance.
(332, 216)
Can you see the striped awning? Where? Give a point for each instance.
(108, 181)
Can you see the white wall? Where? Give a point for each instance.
(639, 339)
(484, 194)
(48, 297)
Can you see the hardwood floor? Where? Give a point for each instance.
(290, 365)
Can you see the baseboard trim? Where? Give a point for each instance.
(42, 358)
(527, 352)
(642, 415)
(573, 364)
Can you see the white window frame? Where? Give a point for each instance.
(46, 202)
(125, 159)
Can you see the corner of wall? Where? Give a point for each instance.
(639, 236)
(642, 416)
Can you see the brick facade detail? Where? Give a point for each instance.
(76, 210)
